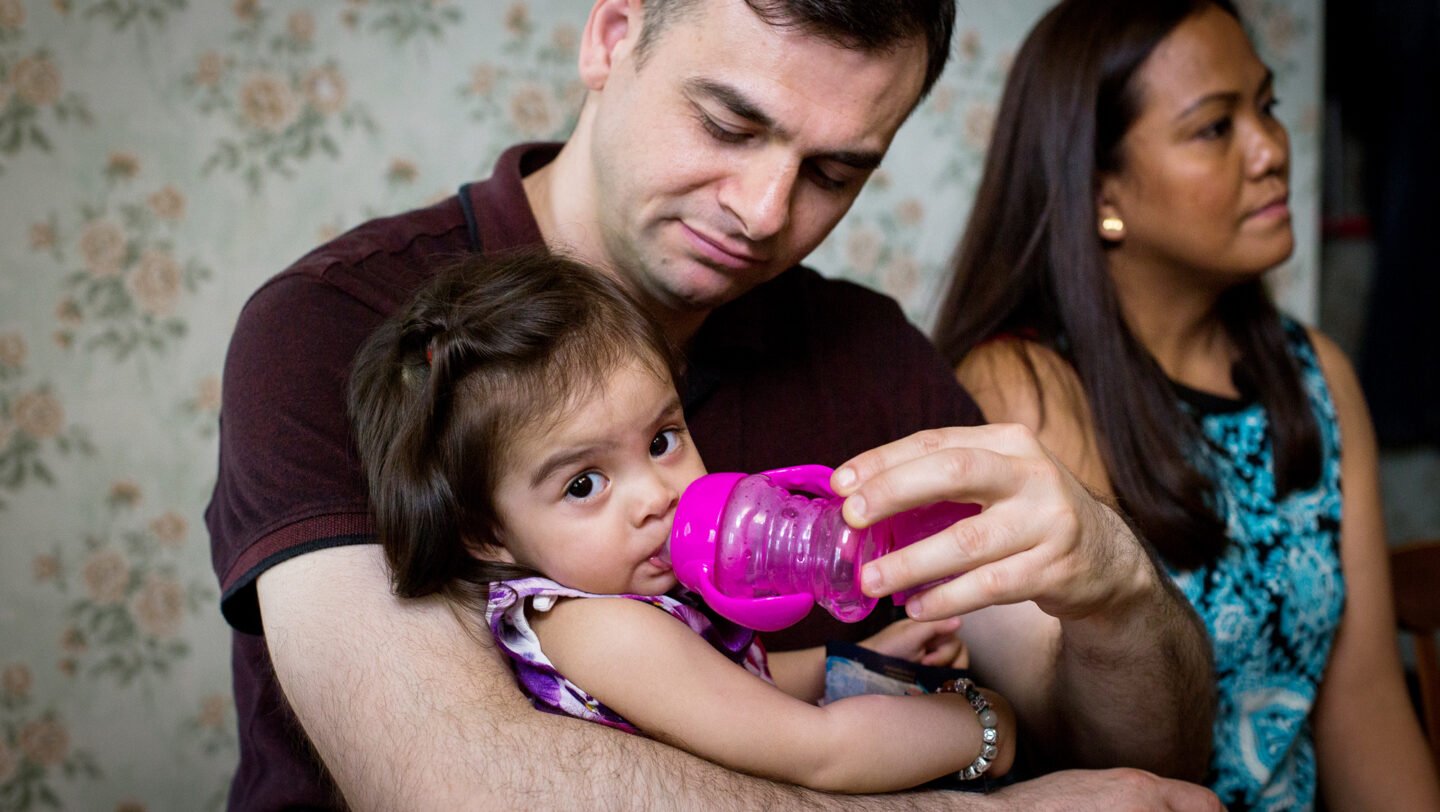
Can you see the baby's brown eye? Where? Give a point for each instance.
(581, 486)
(664, 442)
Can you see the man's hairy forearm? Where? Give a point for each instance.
(1133, 685)
(410, 706)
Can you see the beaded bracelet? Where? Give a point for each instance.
(989, 736)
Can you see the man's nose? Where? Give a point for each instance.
(759, 193)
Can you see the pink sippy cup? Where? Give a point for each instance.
(761, 550)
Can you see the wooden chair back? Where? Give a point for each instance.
(1415, 570)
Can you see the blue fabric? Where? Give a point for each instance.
(1272, 601)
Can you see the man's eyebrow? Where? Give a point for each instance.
(737, 103)
(733, 100)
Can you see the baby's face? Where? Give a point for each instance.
(588, 501)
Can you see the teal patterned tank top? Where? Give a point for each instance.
(1273, 599)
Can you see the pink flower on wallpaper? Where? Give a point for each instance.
(12, 14)
(170, 528)
(67, 312)
(209, 69)
(910, 212)
(565, 38)
(979, 123)
(862, 248)
(9, 763)
(482, 80)
(16, 681)
(102, 247)
(300, 26)
(155, 283)
(124, 165)
(106, 573)
(325, 89)
(124, 493)
(44, 567)
(42, 237)
(168, 203)
(207, 396)
(517, 18)
(38, 414)
(213, 711)
(268, 102)
(12, 350)
(901, 275)
(72, 640)
(246, 10)
(159, 606)
(45, 742)
(402, 170)
(36, 80)
(1281, 29)
(532, 111)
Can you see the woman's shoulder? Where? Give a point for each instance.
(1019, 380)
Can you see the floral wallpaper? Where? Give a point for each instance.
(160, 158)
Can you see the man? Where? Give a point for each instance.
(719, 143)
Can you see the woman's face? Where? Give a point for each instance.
(1204, 179)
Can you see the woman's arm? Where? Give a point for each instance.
(1371, 753)
(668, 682)
(1135, 691)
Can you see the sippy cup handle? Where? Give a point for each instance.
(692, 550)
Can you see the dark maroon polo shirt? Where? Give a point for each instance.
(803, 369)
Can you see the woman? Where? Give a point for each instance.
(1108, 294)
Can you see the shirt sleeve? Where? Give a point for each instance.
(289, 477)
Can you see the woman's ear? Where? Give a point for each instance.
(1109, 222)
(609, 37)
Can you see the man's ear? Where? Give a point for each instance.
(610, 35)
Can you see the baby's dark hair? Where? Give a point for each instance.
(492, 346)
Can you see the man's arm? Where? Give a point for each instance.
(410, 708)
(1109, 665)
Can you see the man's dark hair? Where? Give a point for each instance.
(863, 25)
(491, 347)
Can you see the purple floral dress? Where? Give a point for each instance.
(549, 690)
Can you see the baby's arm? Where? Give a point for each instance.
(669, 683)
(801, 673)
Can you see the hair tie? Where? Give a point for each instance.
(430, 354)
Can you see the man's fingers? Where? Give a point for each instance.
(1000, 438)
(963, 546)
(966, 474)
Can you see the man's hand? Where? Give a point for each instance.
(1106, 791)
(1074, 622)
(1040, 535)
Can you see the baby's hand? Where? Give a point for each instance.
(931, 642)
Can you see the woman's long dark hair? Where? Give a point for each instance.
(492, 346)
(1031, 264)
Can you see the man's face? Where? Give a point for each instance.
(734, 149)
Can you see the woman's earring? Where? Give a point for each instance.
(1112, 227)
